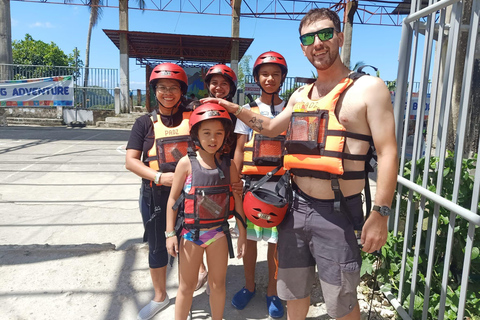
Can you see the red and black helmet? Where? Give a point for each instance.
(270, 57)
(264, 207)
(226, 72)
(208, 111)
(169, 71)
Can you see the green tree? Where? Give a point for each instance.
(243, 69)
(37, 52)
(47, 56)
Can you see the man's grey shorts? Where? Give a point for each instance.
(312, 234)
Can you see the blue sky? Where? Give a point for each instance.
(67, 26)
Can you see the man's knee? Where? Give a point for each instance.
(298, 309)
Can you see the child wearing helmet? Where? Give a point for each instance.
(202, 189)
(157, 141)
(256, 156)
(221, 82)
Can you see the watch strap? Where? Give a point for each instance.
(170, 234)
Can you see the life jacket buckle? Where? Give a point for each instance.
(335, 183)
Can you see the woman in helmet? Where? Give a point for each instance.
(203, 181)
(221, 83)
(256, 157)
(157, 141)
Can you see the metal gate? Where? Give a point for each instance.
(437, 202)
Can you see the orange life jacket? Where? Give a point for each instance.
(170, 143)
(315, 141)
(262, 154)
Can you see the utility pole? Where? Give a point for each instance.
(349, 13)
(234, 54)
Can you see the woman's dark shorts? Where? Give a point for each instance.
(313, 234)
(155, 228)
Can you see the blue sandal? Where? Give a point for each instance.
(242, 298)
(275, 307)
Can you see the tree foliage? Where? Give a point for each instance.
(36, 52)
(243, 69)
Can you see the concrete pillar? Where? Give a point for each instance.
(5, 40)
(139, 97)
(124, 69)
(117, 100)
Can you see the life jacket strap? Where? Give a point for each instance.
(349, 175)
(179, 201)
(226, 230)
(348, 134)
(337, 192)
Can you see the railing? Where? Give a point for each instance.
(95, 93)
(437, 202)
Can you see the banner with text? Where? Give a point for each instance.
(41, 92)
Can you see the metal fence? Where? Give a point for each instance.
(97, 92)
(437, 202)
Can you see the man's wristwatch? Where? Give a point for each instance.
(157, 177)
(383, 210)
(170, 234)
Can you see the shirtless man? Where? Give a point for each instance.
(315, 232)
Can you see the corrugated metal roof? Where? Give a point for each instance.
(148, 46)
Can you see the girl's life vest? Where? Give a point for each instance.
(170, 143)
(315, 140)
(263, 154)
(209, 202)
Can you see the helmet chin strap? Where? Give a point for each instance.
(170, 119)
(272, 104)
(220, 172)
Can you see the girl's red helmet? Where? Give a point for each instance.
(169, 71)
(264, 207)
(208, 111)
(270, 57)
(228, 73)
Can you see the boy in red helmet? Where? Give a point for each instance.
(256, 157)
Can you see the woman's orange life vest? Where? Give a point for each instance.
(315, 141)
(262, 154)
(170, 143)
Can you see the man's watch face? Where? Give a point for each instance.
(383, 210)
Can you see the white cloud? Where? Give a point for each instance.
(37, 24)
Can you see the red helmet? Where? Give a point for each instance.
(225, 71)
(170, 71)
(270, 57)
(208, 111)
(264, 207)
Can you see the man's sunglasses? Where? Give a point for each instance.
(323, 34)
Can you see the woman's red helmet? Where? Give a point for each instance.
(228, 73)
(169, 71)
(270, 57)
(264, 207)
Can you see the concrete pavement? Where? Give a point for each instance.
(70, 232)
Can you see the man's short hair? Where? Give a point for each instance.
(320, 14)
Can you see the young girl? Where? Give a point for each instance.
(205, 177)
